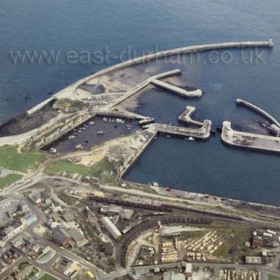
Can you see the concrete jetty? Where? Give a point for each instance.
(185, 117)
(180, 91)
(258, 110)
(203, 132)
(125, 115)
(249, 140)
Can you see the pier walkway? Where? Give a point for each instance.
(249, 140)
(258, 110)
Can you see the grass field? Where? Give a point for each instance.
(47, 277)
(22, 266)
(11, 159)
(105, 171)
(69, 167)
(11, 178)
(70, 200)
(101, 166)
(101, 169)
(273, 277)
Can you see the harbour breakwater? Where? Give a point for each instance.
(70, 92)
(262, 112)
(249, 140)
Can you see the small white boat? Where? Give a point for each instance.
(191, 139)
(100, 132)
(79, 146)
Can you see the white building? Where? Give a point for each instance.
(112, 229)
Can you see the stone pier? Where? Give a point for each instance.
(249, 140)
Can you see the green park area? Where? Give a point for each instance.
(273, 277)
(9, 179)
(11, 159)
(101, 169)
(60, 166)
(47, 277)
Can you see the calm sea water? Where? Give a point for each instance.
(143, 25)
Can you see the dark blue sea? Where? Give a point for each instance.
(61, 26)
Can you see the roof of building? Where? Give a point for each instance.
(68, 217)
(77, 235)
(59, 234)
(253, 260)
(111, 227)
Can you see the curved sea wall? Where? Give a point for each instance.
(258, 110)
(24, 137)
(179, 51)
